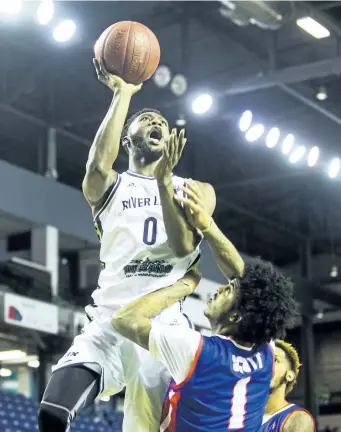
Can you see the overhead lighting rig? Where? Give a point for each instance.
(296, 152)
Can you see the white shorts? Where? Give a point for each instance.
(122, 363)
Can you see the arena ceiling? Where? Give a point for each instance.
(266, 205)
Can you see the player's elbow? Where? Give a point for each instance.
(239, 267)
(121, 323)
(88, 190)
(183, 246)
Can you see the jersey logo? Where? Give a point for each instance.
(131, 184)
(159, 268)
(247, 364)
(138, 202)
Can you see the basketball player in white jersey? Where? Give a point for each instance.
(146, 244)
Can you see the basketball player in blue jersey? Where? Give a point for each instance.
(220, 382)
(280, 415)
(147, 243)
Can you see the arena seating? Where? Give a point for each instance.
(19, 414)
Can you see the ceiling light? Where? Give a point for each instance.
(288, 144)
(12, 355)
(180, 121)
(33, 364)
(45, 12)
(254, 133)
(297, 154)
(245, 121)
(179, 85)
(321, 94)
(64, 31)
(334, 168)
(272, 137)
(334, 271)
(313, 156)
(312, 27)
(162, 76)
(202, 104)
(10, 7)
(5, 373)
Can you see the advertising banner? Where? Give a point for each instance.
(28, 313)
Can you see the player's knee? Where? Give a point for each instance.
(52, 418)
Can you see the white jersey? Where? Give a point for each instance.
(135, 256)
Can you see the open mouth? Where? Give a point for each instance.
(156, 134)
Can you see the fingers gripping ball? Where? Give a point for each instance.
(129, 50)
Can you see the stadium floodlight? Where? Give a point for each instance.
(313, 156)
(297, 154)
(272, 137)
(313, 27)
(33, 364)
(10, 7)
(334, 271)
(202, 104)
(320, 315)
(179, 85)
(180, 121)
(334, 168)
(245, 121)
(254, 133)
(45, 12)
(162, 76)
(12, 355)
(5, 373)
(288, 144)
(321, 94)
(64, 31)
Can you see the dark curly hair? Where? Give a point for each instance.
(133, 117)
(266, 303)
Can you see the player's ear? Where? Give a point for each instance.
(290, 376)
(235, 318)
(126, 144)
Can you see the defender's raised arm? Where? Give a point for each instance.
(225, 254)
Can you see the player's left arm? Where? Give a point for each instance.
(299, 421)
(182, 238)
(133, 321)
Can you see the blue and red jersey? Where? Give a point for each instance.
(226, 389)
(277, 421)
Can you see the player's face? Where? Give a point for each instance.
(149, 134)
(283, 370)
(222, 302)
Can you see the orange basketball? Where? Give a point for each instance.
(130, 50)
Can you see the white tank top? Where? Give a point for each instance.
(135, 256)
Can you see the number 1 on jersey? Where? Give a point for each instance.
(150, 231)
(238, 406)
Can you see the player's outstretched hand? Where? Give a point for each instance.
(112, 81)
(193, 201)
(171, 155)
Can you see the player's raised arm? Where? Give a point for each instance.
(182, 238)
(104, 150)
(133, 320)
(225, 254)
